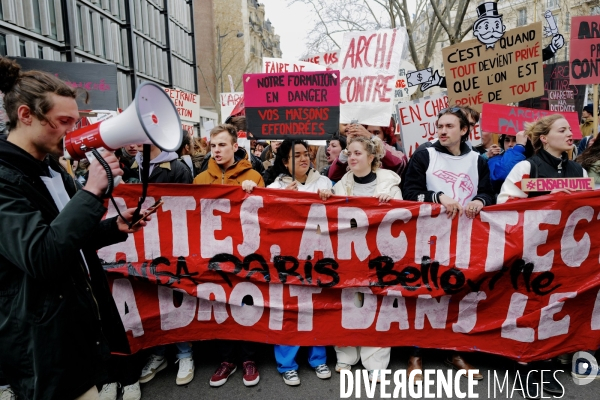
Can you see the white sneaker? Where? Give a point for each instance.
(108, 392)
(154, 365)
(7, 394)
(186, 371)
(340, 366)
(323, 371)
(132, 392)
(291, 378)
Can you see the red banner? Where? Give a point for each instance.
(282, 267)
(509, 120)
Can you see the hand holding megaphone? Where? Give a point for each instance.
(151, 119)
(97, 181)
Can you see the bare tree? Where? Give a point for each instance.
(427, 23)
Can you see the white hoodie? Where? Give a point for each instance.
(387, 183)
(314, 182)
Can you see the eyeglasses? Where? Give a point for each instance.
(449, 110)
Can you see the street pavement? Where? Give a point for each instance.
(271, 385)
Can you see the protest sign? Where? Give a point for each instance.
(403, 92)
(519, 280)
(512, 71)
(369, 64)
(303, 105)
(584, 56)
(328, 59)
(561, 101)
(279, 65)
(99, 80)
(187, 104)
(509, 120)
(417, 119)
(549, 184)
(556, 78)
(228, 102)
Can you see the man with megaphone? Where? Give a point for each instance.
(58, 320)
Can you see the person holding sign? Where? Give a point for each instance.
(366, 178)
(226, 169)
(552, 138)
(451, 174)
(394, 160)
(305, 179)
(515, 149)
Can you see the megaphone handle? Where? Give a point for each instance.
(109, 175)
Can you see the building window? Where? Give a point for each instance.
(522, 17)
(101, 38)
(79, 28)
(22, 50)
(552, 4)
(91, 27)
(40, 52)
(1, 12)
(37, 23)
(3, 50)
(52, 12)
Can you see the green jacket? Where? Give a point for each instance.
(57, 323)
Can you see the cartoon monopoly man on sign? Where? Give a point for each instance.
(488, 28)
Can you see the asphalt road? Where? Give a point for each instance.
(271, 385)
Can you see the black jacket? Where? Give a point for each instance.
(545, 165)
(175, 171)
(415, 181)
(57, 323)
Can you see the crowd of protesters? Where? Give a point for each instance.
(55, 206)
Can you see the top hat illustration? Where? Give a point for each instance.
(486, 10)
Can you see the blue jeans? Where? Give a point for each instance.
(286, 357)
(184, 350)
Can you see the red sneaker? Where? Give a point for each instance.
(251, 376)
(222, 374)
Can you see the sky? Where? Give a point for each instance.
(292, 31)
(292, 23)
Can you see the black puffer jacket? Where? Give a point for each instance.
(57, 323)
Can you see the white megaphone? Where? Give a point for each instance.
(151, 119)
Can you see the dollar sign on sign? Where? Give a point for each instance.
(419, 77)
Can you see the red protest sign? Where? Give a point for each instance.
(584, 51)
(303, 105)
(509, 120)
(520, 280)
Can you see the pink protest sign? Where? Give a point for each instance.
(302, 105)
(509, 120)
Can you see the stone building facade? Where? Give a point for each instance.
(232, 38)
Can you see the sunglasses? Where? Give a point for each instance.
(449, 110)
